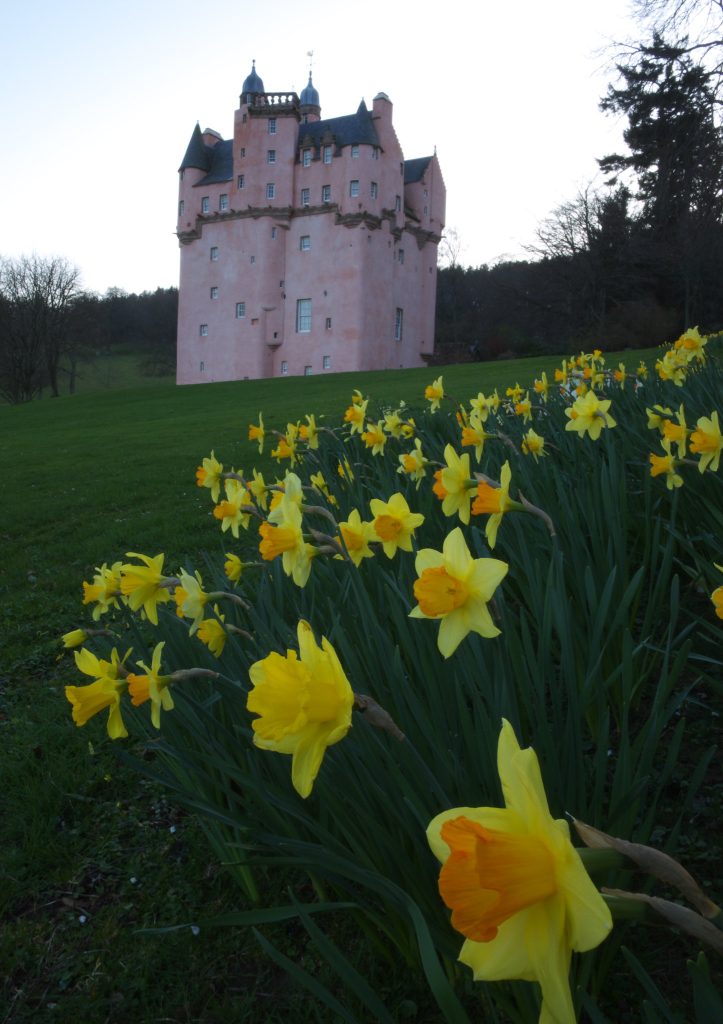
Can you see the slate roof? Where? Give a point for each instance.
(414, 169)
(198, 154)
(349, 130)
(221, 163)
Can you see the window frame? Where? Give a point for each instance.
(213, 254)
(223, 202)
(305, 243)
(240, 310)
(205, 204)
(306, 197)
(271, 190)
(327, 154)
(270, 156)
(354, 188)
(398, 323)
(272, 126)
(203, 330)
(326, 193)
(303, 318)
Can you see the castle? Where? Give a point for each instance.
(308, 245)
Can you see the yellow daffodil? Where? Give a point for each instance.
(677, 432)
(236, 509)
(104, 692)
(434, 393)
(482, 406)
(620, 375)
(665, 464)
(706, 441)
(542, 387)
(258, 490)
(304, 705)
(523, 408)
(455, 588)
(287, 540)
(474, 436)
(105, 589)
(394, 523)
(356, 397)
(496, 501)
(190, 599)
(717, 596)
(514, 393)
(355, 415)
(561, 374)
(413, 463)
(533, 444)
(375, 438)
(257, 433)
(74, 638)
(209, 475)
(589, 414)
(455, 479)
(692, 344)
(233, 567)
(145, 585)
(152, 686)
(285, 449)
(345, 471)
(309, 432)
(393, 423)
(516, 886)
(357, 535)
(642, 371)
(658, 417)
(212, 634)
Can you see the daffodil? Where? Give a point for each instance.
(666, 464)
(413, 463)
(356, 414)
(496, 501)
(104, 692)
(209, 474)
(258, 490)
(434, 393)
(523, 408)
(455, 588)
(717, 596)
(152, 686)
(190, 599)
(514, 393)
(474, 435)
(233, 567)
(589, 414)
(707, 441)
(357, 535)
(257, 433)
(393, 423)
(620, 375)
(533, 444)
(542, 387)
(516, 886)
(235, 510)
(692, 344)
(105, 589)
(455, 479)
(375, 438)
(658, 417)
(309, 432)
(145, 585)
(286, 539)
(482, 406)
(394, 523)
(304, 705)
(642, 370)
(74, 638)
(212, 634)
(285, 449)
(677, 432)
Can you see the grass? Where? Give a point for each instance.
(88, 478)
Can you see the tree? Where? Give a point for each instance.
(37, 298)
(696, 24)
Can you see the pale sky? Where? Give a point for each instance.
(100, 99)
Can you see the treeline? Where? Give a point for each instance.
(630, 264)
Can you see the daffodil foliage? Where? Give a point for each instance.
(452, 622)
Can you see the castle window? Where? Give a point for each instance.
(201, 366)
(306, 158)
(375, 153)
(327, 154)
(305, 243)
(203, 330)
(242, 152)
(272, 126)
(401, 255)
(303, 316)
(271, 190)
(180, 175)
(398, 324)
(223, 202)
(398, 204)
(252, 259)
(241, 181)
(327, 362)
(240, 310)
(307, 371)
(326, 193)
(214, 292)
(273, 232)
(328, 323)
(284, 367)
(354, 188)
(270, 156)
(374, 190)
(205, 204)
(214, 253)
(181, 208)
(355, 152)
(305, 196)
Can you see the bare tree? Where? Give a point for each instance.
(695, 25)
(450, 248)
(36, 299)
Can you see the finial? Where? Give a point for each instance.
(310, 55)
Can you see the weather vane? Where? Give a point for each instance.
(310, 55)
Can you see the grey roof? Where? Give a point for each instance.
(252, 82)
(198, 154)
(414, 169)
(309, 96)
(349, 130)
(220, 166)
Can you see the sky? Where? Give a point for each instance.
(100, 99)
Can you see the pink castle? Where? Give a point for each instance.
(307, 245)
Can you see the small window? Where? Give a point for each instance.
(181, 208)
(241, 181)
(307, 371)
(284, 367)
(242, 152)
(326, 193)
(306, 158)
(425, 211)
(214, 292)
(205, 204)
(201, 366)
(240, 310)
(203, 330)
(354, 188)
(273, 232)
(374, 190)
(327, 362)
(327, 154)
(328, 323)
(271, 190)
(305, 243)
(181, 175)
(375, 153)
(401, 255)
(398, 324)
(355, 152)
(270, 156)
(303, 316)
(398, 204)
(223, 201)
(214, 253)
(244, 119)
(272, 126)
(305, 196)
(252, 259)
